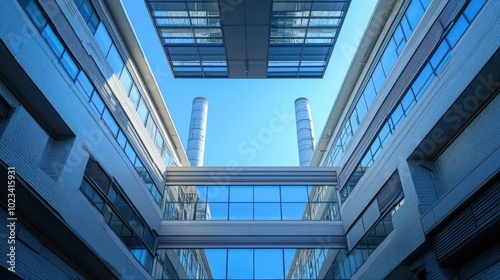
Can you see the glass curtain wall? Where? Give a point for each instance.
(251, 203)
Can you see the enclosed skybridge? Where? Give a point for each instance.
(251, 207)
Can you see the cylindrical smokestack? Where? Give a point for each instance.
(305, 131)
(197, 131)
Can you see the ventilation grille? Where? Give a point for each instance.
(475, 218)
(97, 175)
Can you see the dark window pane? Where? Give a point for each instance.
(36, 15)
(112, 195)
(116, 224)
(86, 10)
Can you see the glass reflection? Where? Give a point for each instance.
(251, 203)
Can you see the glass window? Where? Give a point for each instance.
(378, 77)
(241, 194)
(414, 13)
(240, 211)
(423, 81)
(218, 194)
(217, 259)
(289, 255)
(126, 80)
(294, 194)
(405, 26)
(112, 195)
(98, 104)
(130, 153)
(441, 52)
(93, 23)
(294, 211)
(86, 10)
(54, 42)
(369, 93)
(202, 193)
(218, 211)
(151, 127)
(159, 141)
(110, 122)
(361, 108)
(116, 224)
(473, 8)
(240, 264)
(266, 194)
(389, 57)
(134, 96)
(115, 60)
(83, 83)
(103, 39)
(36, 15)
(143, 111)
(267, 211)
(121, 139)
(457, 31)
(69, 64)
(269, 264)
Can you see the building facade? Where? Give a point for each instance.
(403, 182)
(414, 136)
(88, 134)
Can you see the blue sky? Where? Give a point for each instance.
(251, 122)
